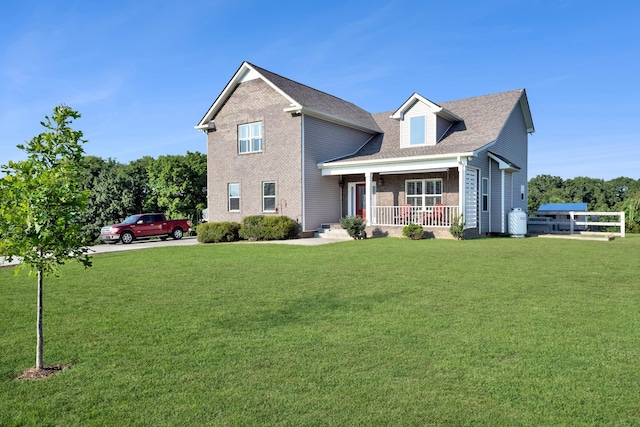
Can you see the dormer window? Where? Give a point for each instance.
(422, 123)
(417, 130)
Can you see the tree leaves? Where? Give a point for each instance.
(617, 195)
(178, 183)
(170, 184)
(599, 195)
(43, 199)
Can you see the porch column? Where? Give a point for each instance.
(503, 213)
(462, 194)
(367, 196)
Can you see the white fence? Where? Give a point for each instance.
(576, 222)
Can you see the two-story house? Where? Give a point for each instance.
(278, 147)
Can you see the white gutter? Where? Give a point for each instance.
(245, 72)
(502, 196)
(412, 159)
(489, 196)
(502, 164)
(413, 167)
(303, 220)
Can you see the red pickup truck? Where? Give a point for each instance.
(145, 226)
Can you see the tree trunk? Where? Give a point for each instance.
(40, 339)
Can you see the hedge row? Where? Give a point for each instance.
(256, 227)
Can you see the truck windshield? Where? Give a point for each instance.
(131, 220)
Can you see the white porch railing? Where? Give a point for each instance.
(428, 216)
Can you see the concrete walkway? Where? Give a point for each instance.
(191, 240)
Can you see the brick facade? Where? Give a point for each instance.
(341, 142)
(280, 160)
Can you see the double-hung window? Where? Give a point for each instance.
(485, 194)
(234, 197)
(250, 138)
(424, 192)
(268, 196)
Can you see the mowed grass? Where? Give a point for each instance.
(377, 332)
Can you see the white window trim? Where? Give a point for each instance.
(351, 199)
(251, 138)
(485, 186)
(274, 197)
(424, 140)
(424, 196)
(229, 197)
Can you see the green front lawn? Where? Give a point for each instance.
(376, 332)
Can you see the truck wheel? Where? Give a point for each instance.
(126, 237)
(176, 233)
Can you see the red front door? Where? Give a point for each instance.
(360, 200)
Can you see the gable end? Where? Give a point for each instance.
(421, 125)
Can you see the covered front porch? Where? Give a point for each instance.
(428, 198)
(433, 191)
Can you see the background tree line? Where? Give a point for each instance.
(176, 185)
(616, 195)
(173, 184)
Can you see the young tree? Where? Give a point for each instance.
(42, 201)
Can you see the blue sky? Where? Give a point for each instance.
(143, 73)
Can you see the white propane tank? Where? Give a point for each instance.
(517, 223)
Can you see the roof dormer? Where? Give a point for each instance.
(422, 122)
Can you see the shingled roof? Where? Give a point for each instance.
(315, 100)
(483, 119)
(304, 98)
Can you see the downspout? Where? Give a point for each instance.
(341, 179)
(489, 191)
(211, 127)
(302, 179)
(367, 197)
(502, 196)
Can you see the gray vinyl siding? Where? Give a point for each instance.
(481, 163)
(324, 141)
(495, 197)
(508, 193)
(442, 126)
(512, 144)
(499, 189)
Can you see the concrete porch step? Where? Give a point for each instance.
(332, 231)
